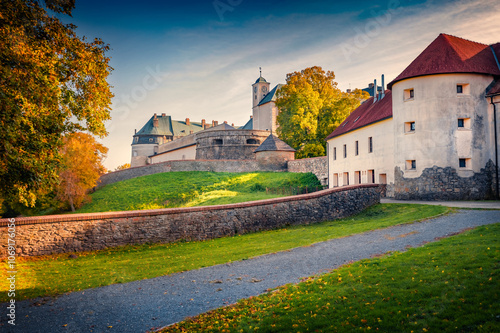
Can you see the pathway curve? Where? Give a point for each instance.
(142, 305)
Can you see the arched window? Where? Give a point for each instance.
(218, 142)
(252, 142)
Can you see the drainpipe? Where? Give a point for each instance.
(496, 142)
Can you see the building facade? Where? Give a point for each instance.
(431, 135)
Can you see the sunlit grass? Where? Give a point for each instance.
(194, 188)
(58, 274)
(448, 286)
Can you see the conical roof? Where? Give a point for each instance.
(449, 54)
(273, 143)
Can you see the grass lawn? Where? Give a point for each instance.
(58, 274)
(193, 188)
(448, 286)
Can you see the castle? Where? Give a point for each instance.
(164, 139)
(433, 133)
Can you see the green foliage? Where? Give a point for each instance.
(311, 107)
(447, 286)
(59, 274)
(194, 188)
(51, 83)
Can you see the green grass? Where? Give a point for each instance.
(59, 274)
(448, 286)
(194, 188)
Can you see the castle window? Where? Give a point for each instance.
(136, 139)
(345, 179)
(463, 89)
(218, 142)
(371, 176)
(411, 164)
(151, 139)
(463, 123)
(134, 153)
(409, 94)
(345, 151)
(357, 177)
(335, 179)
(357, 148)
(410, 127)
(334, 153)
(252, 142)
(370, 144)
(464, 163)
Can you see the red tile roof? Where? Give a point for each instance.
(450, 54)
(366, 114)
(493, 89)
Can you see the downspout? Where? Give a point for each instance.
(496, 143)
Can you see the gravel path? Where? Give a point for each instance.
(142, 305)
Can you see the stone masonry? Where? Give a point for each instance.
(444, 184)
(85, 232)
(316, 165)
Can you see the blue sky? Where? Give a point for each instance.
(198, 59)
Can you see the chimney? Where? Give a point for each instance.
(225, 122)
(163, 114)
(213, 123)
(374, 91)
(203, 123)
(348, 91)
(370, 85)
(216, 122)
(187, 122)
(191, 132)
(135, 131)
(232, 124)
(383, 87)
(251, 117)
(155, 121)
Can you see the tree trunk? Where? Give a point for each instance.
(71, 204)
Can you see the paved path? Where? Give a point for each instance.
(141, 305)
(490, 204)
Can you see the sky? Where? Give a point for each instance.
(197, 59)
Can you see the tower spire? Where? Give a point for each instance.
(260, 70)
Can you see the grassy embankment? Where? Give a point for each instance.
(53, 275)
(194, 188)
(448, 286)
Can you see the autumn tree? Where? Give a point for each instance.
(81, 167)
(311, 107)
(51, 83)
(122, 167)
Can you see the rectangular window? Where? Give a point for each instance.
(334, 153)
(345, 151)
(357, 177)
(371, 176)
(346, 179)
(357, 148)
(463, 89)
(463, 123)
(464, 163)
(409, 127)
(409, 94)
(411, 164)
(335, 179)
(370, 144)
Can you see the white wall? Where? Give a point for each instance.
(435, 109)
(186, 153)
(381, 160)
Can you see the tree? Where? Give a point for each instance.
(82, 167)
(122, 167)
(51, 83)
(311, 107)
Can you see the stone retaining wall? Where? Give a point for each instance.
(316, 165)
(438, 183)
(85, 232)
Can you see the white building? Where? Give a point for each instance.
(431, 135)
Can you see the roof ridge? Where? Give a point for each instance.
(468, 40)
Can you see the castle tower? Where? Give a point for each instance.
(259, 89)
